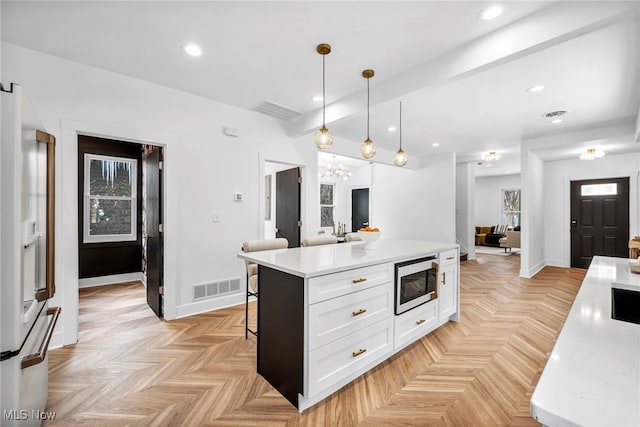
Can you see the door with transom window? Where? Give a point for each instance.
(599, 219)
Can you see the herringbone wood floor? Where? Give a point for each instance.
(129, 368)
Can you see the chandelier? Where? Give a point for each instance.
(591, 154)
(334, 171)
(491, 156)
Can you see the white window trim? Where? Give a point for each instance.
(87, 238)
(503, 212)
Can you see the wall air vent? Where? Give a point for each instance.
(554, 114)
(215, 289)
(275, 110)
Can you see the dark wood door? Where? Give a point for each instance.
(288, 206)
(153, 236)
(359, 208)
(599, 219)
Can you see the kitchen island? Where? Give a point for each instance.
(592, 377)
(326, 313)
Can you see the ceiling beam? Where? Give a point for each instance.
(541, 30)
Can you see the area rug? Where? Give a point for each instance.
(489, 250)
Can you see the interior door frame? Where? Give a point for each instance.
(67, 247)
(262, 194)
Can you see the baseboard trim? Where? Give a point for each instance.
(111, 279)
(533, 270)
(199, 307)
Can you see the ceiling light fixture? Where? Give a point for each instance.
(391, 128)
(192, 49)
(317, 98)
(591, 154)
(335, 172)
(435, 144)
(323, 138)
(491, 156)
(368, 147)
(400, 158)
(491, 12)
(536, 88)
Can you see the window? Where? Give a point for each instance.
(327, 205)
(609, 189)
(109, 199)
(511, 206)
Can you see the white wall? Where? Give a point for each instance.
(487, 196)
(556, 202)
(465, 203)
(203, 168)
(415, 204)
(532, 219)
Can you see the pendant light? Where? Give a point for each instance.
(323, 138)
(400, 158)
(368, 148)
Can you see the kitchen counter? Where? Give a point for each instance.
(592, 376)
(319, 260)
(326, 314)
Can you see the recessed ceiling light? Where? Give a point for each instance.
(556, 121)
(491, 12)
(536, 88)
(488, 165)
(317, 98)
(192, 49)
(391, 128)
(435, 144)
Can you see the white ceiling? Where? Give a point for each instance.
(462, 81)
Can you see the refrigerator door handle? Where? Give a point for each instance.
(35, 358)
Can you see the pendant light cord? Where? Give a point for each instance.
(401, 125)
(368, 107)
(323, 93)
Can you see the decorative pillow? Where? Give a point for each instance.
(493, 228)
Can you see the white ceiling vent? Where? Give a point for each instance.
(275, 110)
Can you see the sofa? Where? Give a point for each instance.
(511, 240)
(490, 235)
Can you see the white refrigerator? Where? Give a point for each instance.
(27, 242)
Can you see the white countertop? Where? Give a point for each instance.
(313, 261)
(592, 377)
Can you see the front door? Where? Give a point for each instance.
(599, 219)
(359, 208)
(288, 206)
(153, 236)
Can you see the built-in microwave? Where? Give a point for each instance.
(416, 283)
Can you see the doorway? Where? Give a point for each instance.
(599, 219)
(359, 208)
(120, 214)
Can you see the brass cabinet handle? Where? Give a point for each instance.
(359, 352)
(359, 312)
(39, 357)
(419, 322)
(450, 257)
(444, 277)
(360, 280)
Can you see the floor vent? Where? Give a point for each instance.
(215, 289)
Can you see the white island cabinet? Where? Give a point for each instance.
(326, 314)
(592, 377)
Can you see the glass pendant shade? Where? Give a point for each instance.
(368, 149)
(400, 158)
(323, 138)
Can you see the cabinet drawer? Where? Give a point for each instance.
(415, 323)
(346, 356)
(448, 257)
(334, 285)
(338, 317)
